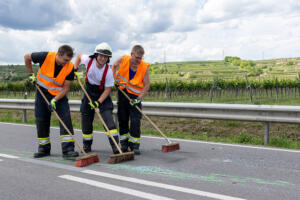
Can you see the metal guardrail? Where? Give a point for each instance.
(240, 112)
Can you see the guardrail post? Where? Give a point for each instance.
(249, 87)
(266, 140)
(24, 111)
(211, 92)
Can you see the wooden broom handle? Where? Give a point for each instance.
(101, 119)
(66, 128)
(154, 125)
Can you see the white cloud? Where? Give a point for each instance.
(176, 31)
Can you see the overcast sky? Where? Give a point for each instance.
(171, 30)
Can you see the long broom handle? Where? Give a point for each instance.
(154, 125)
(101, 119)
(66, 128)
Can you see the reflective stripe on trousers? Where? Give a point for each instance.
(124, 136)
(66, 138)
(44, 141)
(134, 140)
(87, 136)
(113, 132)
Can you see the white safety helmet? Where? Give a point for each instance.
(103, 49)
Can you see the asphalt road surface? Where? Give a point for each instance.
(199, 170)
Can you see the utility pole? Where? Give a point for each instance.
(223, 54)
(164, 58)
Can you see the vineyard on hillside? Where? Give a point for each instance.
(230, 81)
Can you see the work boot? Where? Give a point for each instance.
(137, 152)
(70, 155)
(87, 145)
(87, 148)
(41, 154)
(115, 149)
(135, 147)
(124, 145)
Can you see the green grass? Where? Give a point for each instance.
(243, 138)
(281, 140)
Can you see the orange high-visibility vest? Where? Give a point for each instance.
(45, 76)
(135, 85)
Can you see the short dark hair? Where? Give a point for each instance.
(138, 49)
(66, 49)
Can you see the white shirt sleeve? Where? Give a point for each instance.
(85, 60)
(109, 79)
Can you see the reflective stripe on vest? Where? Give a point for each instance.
(114, 132)
(44, 141)
(48, 88)
(87, 136)
(66, 138)
(51, 80)
(128, 87)
(124, 136)
(134, 140)
(136, 84)
(45, 75)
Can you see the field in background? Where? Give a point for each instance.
(284, 68)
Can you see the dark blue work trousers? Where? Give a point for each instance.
(43, 117)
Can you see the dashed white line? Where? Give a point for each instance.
(1, 160)
(162, 185)
(124, 190)
(7, 156)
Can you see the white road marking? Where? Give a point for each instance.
(30, 125)
(1, 160)
(124, 190)
(162, 185)
(7, 156)
(129, 179)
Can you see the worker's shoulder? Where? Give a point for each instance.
(39, 57)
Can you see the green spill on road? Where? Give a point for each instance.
(220, 178)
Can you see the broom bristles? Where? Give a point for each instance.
(117, 158)
(170, 147)
(86, 160)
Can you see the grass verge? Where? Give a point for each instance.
(251, 133)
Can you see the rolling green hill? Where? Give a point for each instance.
(284, 68)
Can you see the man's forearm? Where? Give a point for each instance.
(104, 95)
(64, 91)
(62, 94)
(28, 63)
(144, 92)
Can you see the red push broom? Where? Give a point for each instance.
(84, 160)
(170, 146)
(115, 158)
